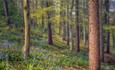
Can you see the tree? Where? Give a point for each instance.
(68, 24)
(84, 24)
(101, 31)
(77, 27)
(107, 22)
(26, 12)
(49, 14)
(94, 49)
(6, 11)
(113, 31)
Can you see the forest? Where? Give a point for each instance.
(57, 34)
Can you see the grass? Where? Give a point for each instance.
(42, 55)
(41, 59)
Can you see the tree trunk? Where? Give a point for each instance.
(64, 29)
(26, 9)
(108, 42)
(84, 24)
(107, 22)
(94, 49)
(71, 38)
(113, 31)
(50, 41)
(77, 27)
(68, 34)
(68, 26)
(101, 32)
(6, 12)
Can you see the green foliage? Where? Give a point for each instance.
(42, 56)
(1, 8)
(41, 11)
(109, 27)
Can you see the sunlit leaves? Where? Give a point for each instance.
(41, 11)
(108, 27)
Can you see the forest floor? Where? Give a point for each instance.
(42, 56)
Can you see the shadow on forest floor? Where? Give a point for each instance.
(108, 58)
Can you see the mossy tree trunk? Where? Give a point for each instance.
(26, 12)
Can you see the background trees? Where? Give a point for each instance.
(55, 34)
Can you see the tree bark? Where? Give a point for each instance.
(94, 49)
(50, 41)
(26, 8)
(84, 24)
(77, 27)
(107, 22)
(68, 26)
(113, 31)
(6, 12)
(101, 31)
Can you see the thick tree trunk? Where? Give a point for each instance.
(94, 46)
(26, 9)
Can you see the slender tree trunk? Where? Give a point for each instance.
(108, 42)
(64, 27)
(113, 31)
(113, 37)
(42, 21)
(6, 12)
(68, 26)
(94, 46)
(26, 9)
(84, 24)
(68, 34)
(61, 21)
(60, 28)
(71, 26)
(101, 31)
(107, 22)
(77, 27)
(50, 40)
(71, 38)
